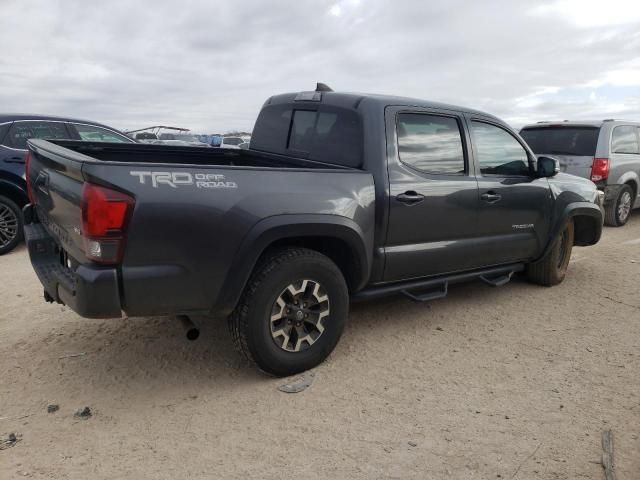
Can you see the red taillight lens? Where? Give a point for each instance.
(105, 213)
(27, 176)
(599, 169)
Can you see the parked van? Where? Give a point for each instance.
(606, 151)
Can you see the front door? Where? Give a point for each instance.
(513, 221)
(433, 194)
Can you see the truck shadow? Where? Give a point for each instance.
(152, 355)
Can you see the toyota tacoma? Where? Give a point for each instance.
(340, 197)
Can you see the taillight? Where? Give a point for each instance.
(105, 214)
(27, 177)
(599, 169)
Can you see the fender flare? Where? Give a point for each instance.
(281, 227)
(572, 210)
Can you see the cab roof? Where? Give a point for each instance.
(353, 100)
(579, 123)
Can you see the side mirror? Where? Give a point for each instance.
(548, 167)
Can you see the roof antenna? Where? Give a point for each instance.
(323, 87)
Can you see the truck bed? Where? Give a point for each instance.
(173, 155)
(198, 216)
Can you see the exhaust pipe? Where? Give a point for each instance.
(190, 328)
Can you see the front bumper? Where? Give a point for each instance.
(90, 291)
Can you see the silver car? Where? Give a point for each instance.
(605, 151)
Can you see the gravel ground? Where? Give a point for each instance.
(511, 382)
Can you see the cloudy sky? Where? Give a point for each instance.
(209, 65)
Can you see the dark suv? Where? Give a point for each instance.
(15, 130)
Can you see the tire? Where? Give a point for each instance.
(552, 268)
(617, 213)
(290, 344)
(11, 224)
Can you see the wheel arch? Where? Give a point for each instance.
(14, 192)
(633, 183)
(339, 238)
(587, 219)
(628, 178)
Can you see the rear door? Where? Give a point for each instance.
(514, 208)
(433, 194)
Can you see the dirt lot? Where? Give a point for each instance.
(511, 382)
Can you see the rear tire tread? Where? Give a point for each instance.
(239, 318)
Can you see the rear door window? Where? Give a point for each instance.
(430, 143)
(624, 139)
(575, 141)
(20, 132)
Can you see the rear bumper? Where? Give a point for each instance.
(92, 292)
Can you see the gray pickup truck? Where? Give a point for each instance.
(340, 197)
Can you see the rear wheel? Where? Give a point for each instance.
(292, 312)
(552, 268)
(617, 213)
(10, 225)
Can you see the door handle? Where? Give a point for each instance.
(491, 197)
(410, 197)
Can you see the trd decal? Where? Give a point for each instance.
(524, 226)
(180, 179)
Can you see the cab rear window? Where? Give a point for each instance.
(325, 134)
(576, 141)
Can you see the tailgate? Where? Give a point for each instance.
(54, 234)
(55, 178)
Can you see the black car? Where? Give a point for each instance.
(15, 130)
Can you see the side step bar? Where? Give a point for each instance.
(438, 287)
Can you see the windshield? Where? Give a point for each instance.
(577, 141)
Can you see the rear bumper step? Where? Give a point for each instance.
(92, 292)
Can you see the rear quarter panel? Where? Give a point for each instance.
(183, 239)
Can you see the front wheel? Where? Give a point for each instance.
(10, 225)
(552, 268)
(292, 312)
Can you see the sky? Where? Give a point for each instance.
(210, 65)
